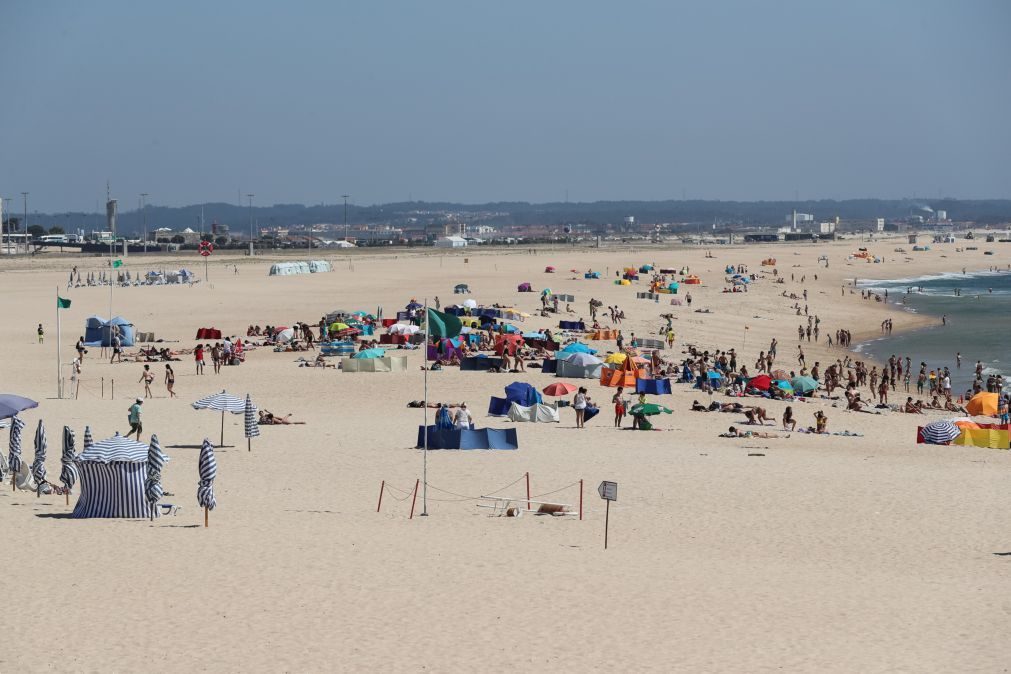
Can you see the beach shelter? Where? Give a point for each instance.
(113, 474)
(98, 331)
(384, 364)
(624, 376)
(692, 280)
(939, 432)
(522, 393)
(250, 425)
(983, 404)
(221, 402)
(578, 365)
(208, 471)
(461, 289)
(533, 413)
(804, 385)
(524, 288)
(11, 404)
(994, 436)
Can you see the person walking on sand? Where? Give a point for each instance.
(42, 334)
(80, 348)
(134, 418)
(800, 356)
(198, 356)
(170, 380)
(579, 404)
(147, 377)
(117, 349)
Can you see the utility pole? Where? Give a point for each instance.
(143, 195)
(25, 195)
(346, 196)
(251, 224)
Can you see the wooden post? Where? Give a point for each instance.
(68, 496)
(382, 488)
(103, 388)
(607, 516)
(528, 490)
(249, 444)
(113, 395)
(205, 524)
(414, 499)
(580, 500)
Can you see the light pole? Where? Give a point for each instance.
(5, 210)
(250, 196)
(143, 195)
(346, 196)
(25, 195)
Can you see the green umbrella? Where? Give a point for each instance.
(649, 409)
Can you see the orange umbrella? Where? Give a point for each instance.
(559, 389)
(780, 374)
(965, 423)
(982, 404)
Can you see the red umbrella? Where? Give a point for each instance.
(559, 389)
(762, 382)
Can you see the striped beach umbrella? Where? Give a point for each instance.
(68, 473)
(89, 440)
(221, 402)
(39, 464)
(208, 467)
(251, 427)
(940, 432)
(153, 490)
(14, 461)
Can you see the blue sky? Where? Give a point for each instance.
(481, 101)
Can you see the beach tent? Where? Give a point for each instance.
(316, 266)
(524, 288)
(673, 287)
(624, 376)
(381, 364)
(646, 268)
(289, 268)
(535, 413)
(591, 275)
(112, 476)
(208, 333)
(578, 365)
(982, 405)
(522, 393)
(461, 289)
(730, 269)
(479, 438)
(692, 280)
(98, 331)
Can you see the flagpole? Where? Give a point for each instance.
(59, 338)
(424, 470)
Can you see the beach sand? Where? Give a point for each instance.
(807, 553)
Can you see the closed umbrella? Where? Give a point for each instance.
(89, 441)
(559, 389)
(68, 473)
(208, 468)
(940, 432)
(153, 490)
(17, 425)
(11, 404)
(251, 427)
(221, 402)
(39, 464)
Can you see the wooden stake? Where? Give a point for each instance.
(205, 523)
(528, 490)
(382, 488)
(113, 395)
(414, 499)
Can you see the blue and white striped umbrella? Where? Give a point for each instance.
(17, 425)
(940, 432)
(155, 462)
(208, 471)
(88, 439)
(68, 474)
(221, 402)
(39, 464)
(252, 428)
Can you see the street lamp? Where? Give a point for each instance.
(250, 196)
(5, 209)
(346, 196)
(25, 195)
(143, 195)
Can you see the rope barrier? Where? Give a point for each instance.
(548, 493)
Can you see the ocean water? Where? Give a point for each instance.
(978, 323)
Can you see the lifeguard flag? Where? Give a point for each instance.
(62, 303)
(443, 325)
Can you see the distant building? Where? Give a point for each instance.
(451, 242)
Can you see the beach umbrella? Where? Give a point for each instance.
(713, 374)
(780, 374)
(89, 441)
(153, 490)
(649, 409)
(578, 347)
(983, 404)
(804, 384)
(940, 432)
(4, 468)
(762, 382)
(558, 389)
(221, 402)
(39, 464)
(370, 353)
(616, 358)
(251, 427)
(11, 404)
(782, 384)
(208, 468)
(470, 304)
(580, 359)
(412, 305)
(68, 472)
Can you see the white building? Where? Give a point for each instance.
(451, 242)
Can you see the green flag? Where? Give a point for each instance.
(443, 325)
(62, 303)
(117, 263)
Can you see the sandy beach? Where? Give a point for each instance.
(804, 553)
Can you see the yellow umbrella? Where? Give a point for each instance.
(616, 358)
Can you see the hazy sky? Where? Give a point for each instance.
(484, 101)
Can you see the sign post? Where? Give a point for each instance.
(609, 492)
(206, 248)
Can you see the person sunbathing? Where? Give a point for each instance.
(912, 408)
(735, 433)
(757, 416)
(269, 419)
(698, 407)
(952, 407)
